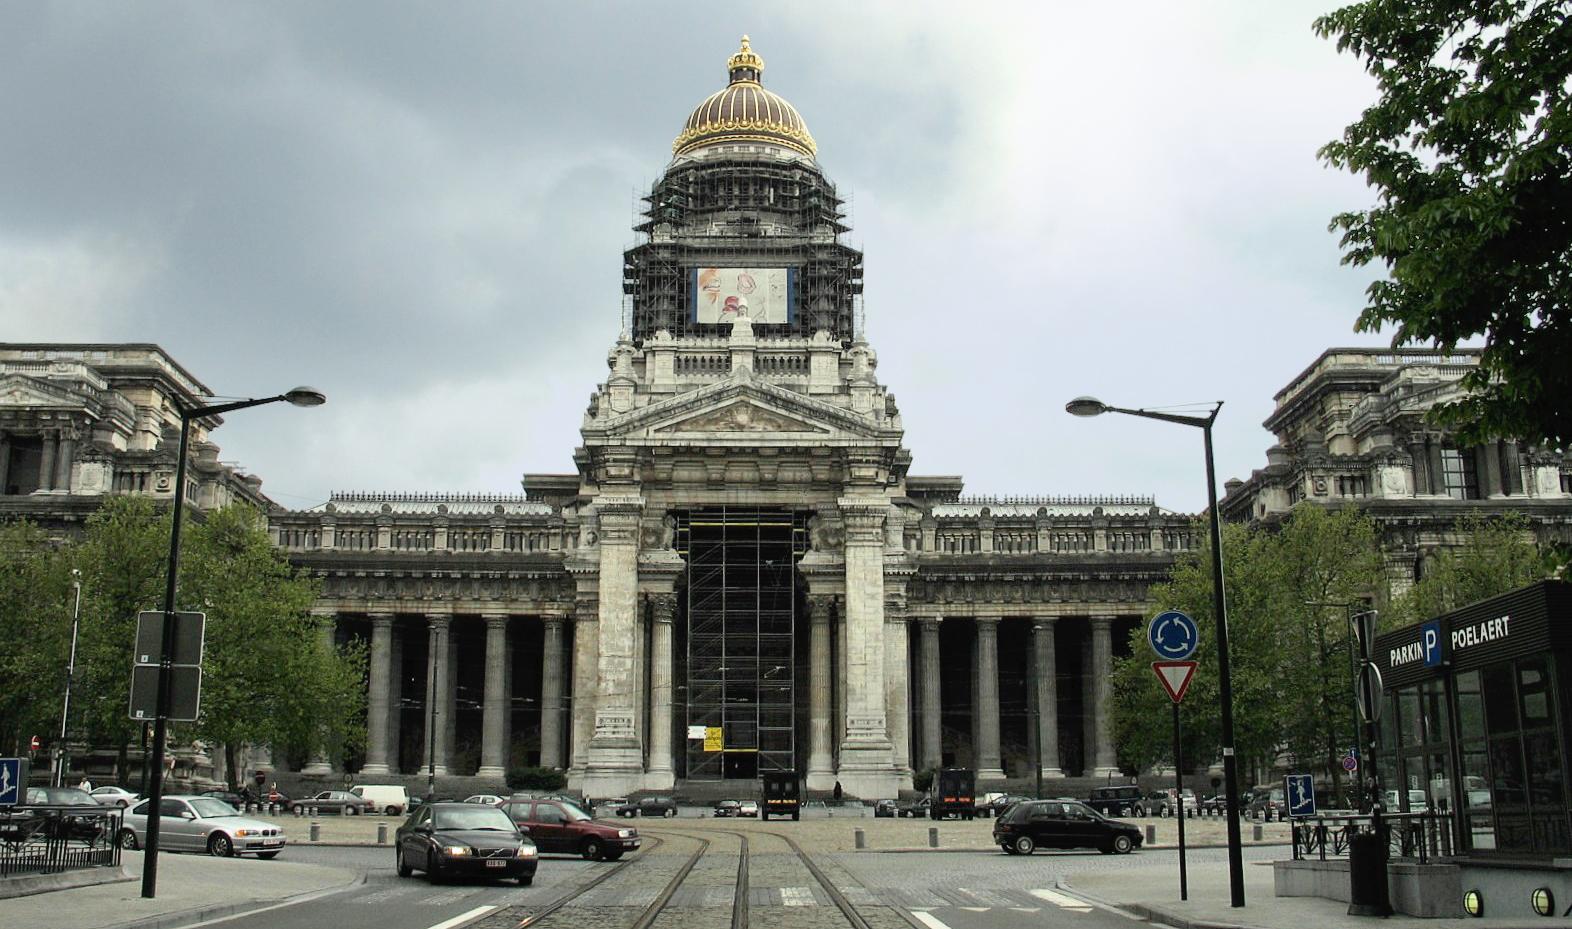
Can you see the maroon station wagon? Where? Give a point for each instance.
(565, 829)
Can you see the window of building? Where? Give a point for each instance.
(1353, 485)
(1459, 474)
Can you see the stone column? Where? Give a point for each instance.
(821, 763)
(661, 774)
(586, 648)
(321, 762)
(1047, 696)
(438, 693)
(867, 764)
(932, 732)
(395, 699)
(46, 467)
(897, 678)
(615, 763)
(551, 695)
(989, 763)
(507, 703)
(840, 674)
(493, 760)
(1106, 758)
(5, 460)
(376, 703)
(63, 458)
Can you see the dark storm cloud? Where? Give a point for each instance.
(421, 209)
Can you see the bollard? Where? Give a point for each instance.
(933, 836)
(315, 811)
(1151, 835)
(272, 809)
(382, 833)
(1255, 832)
(299, 812)
(316, 831)
(860, 840)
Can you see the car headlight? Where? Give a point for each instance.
(455, 851)
(242, 833)
(624, 833)
(526, 851)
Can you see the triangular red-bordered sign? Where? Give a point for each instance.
(1176, 677)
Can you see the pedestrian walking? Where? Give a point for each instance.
(837, 791)
(86, 784)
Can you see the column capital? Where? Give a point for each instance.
(991, 622)
(665, 607)
(495, 620)
(1101, 622)
(381, 620)
(931, 622)
(440, 621)
(1044, 622)
(553, 622)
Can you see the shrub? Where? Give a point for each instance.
(922, 781)
(536, 779)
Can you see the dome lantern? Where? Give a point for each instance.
(745, 112)
(746, 65)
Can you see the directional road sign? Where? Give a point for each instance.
(150, 638)
(1173, 636)
(1299, 789)
(185, 696)
(1176, 677)
(13, 780)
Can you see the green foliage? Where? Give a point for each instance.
(1496, 555)
(922, 780)
(35, 623)
(1467, 148)
(536, 779)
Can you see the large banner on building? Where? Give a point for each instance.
(766, 295)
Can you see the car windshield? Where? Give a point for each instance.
(575, 815)
(210, 808)
(481, 818)
(65, 796)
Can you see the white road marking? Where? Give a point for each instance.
(797, 896)
(1061, 901)
(464, 918)
(930, 920)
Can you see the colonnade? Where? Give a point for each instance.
(57, 453)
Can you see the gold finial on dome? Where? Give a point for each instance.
(746, 65)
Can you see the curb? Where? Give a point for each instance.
(994, 850)
(1151, 913)
(202, 914)
(28, 885)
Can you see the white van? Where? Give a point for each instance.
(391, 800)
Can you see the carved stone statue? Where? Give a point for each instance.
(827, 535)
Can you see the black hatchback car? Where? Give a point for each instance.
(1036, 824)
(451, 839)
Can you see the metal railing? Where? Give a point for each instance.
(1420, 836)
(50, 839)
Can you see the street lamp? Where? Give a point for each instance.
(300, 396)
(61, 760)
(1090, 406)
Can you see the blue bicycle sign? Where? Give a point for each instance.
(1173, 635)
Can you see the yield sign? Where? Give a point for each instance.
(1176, 676)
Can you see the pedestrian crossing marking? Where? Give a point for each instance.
(1061, 900)
(797, 896)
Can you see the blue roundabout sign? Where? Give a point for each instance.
(1173, 635)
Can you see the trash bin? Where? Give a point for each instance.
(1367, 890)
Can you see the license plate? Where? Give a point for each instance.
(496, 864)
(634, 843)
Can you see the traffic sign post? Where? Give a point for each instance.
(1174, 637)
(1299, 794)
(13, 781)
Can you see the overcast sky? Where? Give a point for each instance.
(421, 209)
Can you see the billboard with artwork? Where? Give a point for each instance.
(766, 295)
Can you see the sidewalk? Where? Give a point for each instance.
(1152, 893)
(191, 888)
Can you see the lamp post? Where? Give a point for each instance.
(1089, 406)
(300, 396)
(1353, 683)
(65, 710)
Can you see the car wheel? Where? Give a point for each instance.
(399, 865)
(1024, 845)
(391, 811)
(267, 856)
(219, 846)
(128, 840)
(352, 810)
(592, 850)
(1009, 849)
(795, 817)
(526, 879)
(1122, 844)
(614, 855)
(433, 871)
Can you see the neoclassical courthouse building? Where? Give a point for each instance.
(741, 574)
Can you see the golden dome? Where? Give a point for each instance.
(745, 112)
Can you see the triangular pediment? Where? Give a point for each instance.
(741, 416)
(17, 390)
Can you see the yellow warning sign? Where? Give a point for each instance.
(713, 741)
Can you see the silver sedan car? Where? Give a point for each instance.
(202, 824)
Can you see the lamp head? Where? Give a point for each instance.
(306, 396)
(1086, 406)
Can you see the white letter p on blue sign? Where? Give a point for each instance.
(1430, 638)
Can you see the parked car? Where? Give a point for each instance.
(485, 799)
(1118, 800)
(334, 801)
(114, 796)
(727, 808)
(391, 799)
(228, 796)
(449, 839)
(562, 828)
(194, 824)
(1004, 802)
(1266, 803)
(1170, 805)
(916, 808)
(884, 809)
(650, 806)
(611, 806)
(88, 826)
(955, 790)
(1036, 824)
(748, 808)
(984, 802)
(1215, 805)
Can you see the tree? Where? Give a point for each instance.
(1468, 150)
(1496, 555)
(35, 623)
